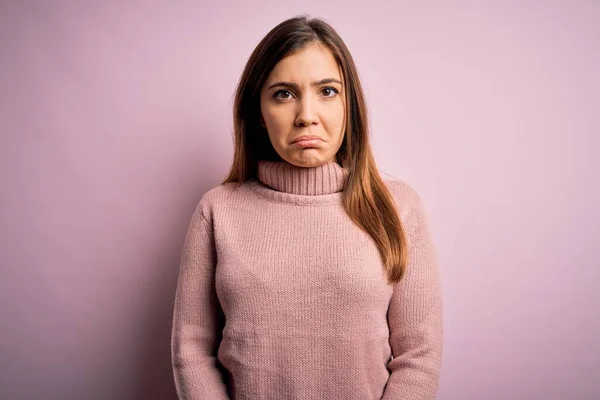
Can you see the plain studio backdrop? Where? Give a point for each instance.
(115, 118)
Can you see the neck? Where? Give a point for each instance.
(284, 177)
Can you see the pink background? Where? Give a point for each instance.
(115, 117)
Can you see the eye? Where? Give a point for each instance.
(275, 95)
(330, 89)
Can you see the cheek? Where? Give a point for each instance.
(274, 116)
(277, 123)
(335, 117)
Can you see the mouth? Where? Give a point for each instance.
(308, 143)
(307, 138)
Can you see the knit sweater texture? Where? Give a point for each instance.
(281, 296)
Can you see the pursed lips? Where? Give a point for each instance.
(306, 137)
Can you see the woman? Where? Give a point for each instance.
(305, 275)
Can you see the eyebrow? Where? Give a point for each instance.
(294, 86)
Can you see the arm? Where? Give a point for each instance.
(197, 318)
(415, 317)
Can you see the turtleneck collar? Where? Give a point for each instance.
(284, 177)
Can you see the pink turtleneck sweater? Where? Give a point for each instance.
(281, 296)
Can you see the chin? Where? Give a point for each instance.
(306, 160)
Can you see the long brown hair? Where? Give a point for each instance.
(366, 198)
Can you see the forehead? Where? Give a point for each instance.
(312, 63)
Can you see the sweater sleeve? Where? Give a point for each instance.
(415, 316)
(197, 318)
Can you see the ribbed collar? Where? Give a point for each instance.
(309, 181)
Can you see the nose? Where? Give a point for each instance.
(307, 113)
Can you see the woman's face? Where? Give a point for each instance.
(304, 95)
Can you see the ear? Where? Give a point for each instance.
(262, 121)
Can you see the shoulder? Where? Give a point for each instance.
(217, 197)
(404, 194)
(411, 208)
(219, 193)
